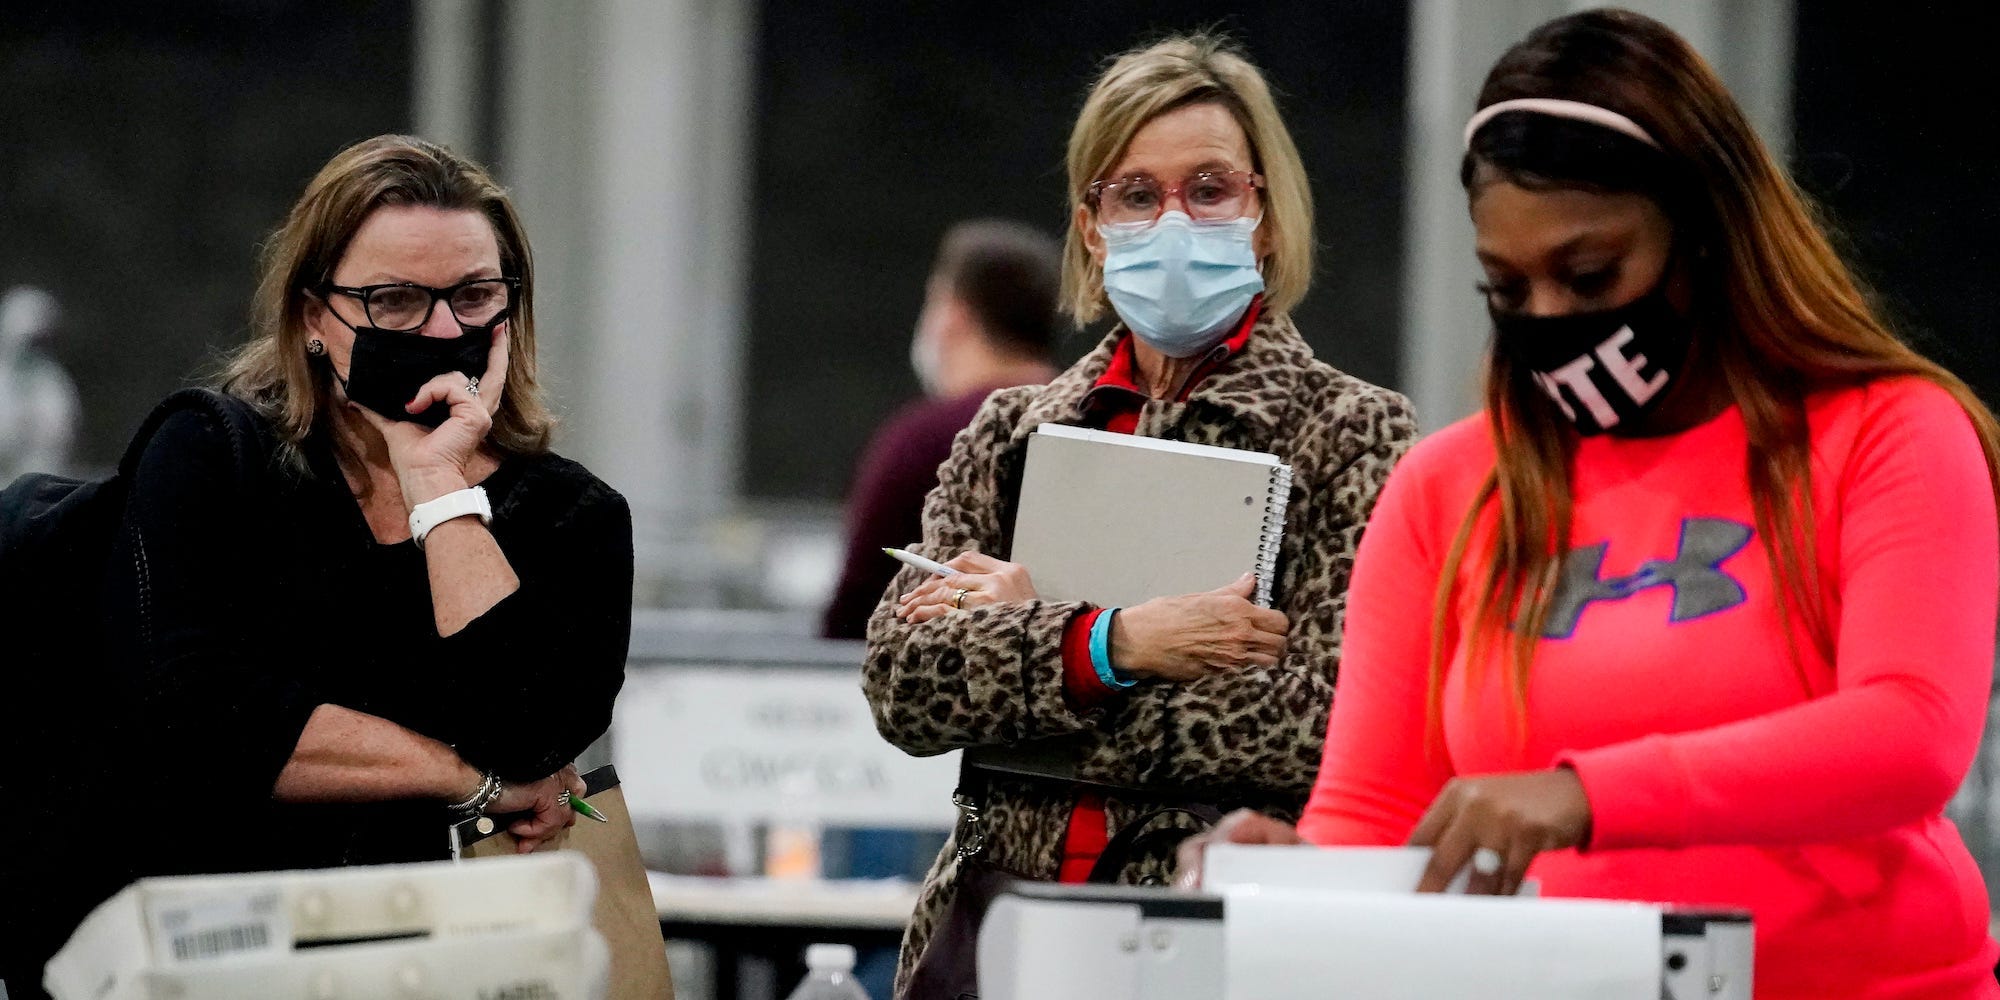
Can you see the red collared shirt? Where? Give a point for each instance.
(1113, 404)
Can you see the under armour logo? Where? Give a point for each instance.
(1700, 585)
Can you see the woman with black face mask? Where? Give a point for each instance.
(1701, 608)
(412, 610)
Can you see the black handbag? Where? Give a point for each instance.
(948, 969)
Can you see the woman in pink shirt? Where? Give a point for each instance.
(1701, 608)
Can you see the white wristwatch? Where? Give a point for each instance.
(458, 503)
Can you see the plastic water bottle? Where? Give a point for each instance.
(829, 975)
(792, 842)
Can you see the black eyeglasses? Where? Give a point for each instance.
(403, 307)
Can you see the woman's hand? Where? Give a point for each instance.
(431, 462)
(544, 799)
(1497, 824)
(1240, 827)
(1189, 637)
(984, 580)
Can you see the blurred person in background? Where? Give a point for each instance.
(38, 402)
(1192, 222)
(989, 322)
(418, 613)
(1701, 609)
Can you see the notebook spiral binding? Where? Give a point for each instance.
(1275, 504)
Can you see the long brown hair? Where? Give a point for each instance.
(272, 371)
(1778, 315)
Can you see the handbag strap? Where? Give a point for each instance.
(1055, 758)
(250, 439)
(1044, 760)
(969, 797)
(473, 829)
(599, 779)
(1141, 837)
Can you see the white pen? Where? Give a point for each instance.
(927, 565)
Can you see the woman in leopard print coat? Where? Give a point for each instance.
(1227, 695)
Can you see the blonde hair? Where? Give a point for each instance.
(272, 371)
(1145, 83)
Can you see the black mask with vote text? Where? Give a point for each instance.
(1603, 369)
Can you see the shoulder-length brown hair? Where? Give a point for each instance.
(1779, 316)
(1145, 83)
(272, 371)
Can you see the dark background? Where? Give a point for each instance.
(146, 150)
(877, 133)
(1888, 125)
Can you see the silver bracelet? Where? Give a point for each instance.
(485, 795)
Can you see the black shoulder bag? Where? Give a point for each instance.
(949, 966)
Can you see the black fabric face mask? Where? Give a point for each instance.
(387, 369)
(1603, 369)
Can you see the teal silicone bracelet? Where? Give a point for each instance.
(1100, 653)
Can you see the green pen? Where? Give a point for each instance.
(585, 809)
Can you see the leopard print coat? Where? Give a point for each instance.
(993, 674)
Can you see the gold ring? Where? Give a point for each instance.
(958, 599)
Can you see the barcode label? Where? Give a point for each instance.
(220, 941)
(198, 928)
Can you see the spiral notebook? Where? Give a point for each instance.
(1117, 520)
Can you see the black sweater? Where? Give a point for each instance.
(229, 618)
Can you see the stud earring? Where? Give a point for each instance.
(315, 348)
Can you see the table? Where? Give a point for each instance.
(773, 920)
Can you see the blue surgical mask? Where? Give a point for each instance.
(1178, 284)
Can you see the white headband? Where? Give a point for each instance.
(1573, 110)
